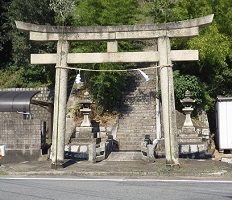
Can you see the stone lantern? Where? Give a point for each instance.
(86, 103)
(83, 145)
(187, 103)
(191, 143)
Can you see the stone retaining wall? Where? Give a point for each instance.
(23, 137)
(20, 133)
(37, 112)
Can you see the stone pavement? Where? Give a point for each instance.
(189, 168)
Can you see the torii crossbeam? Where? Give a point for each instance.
(112, 34)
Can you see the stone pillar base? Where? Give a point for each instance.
(57, 165)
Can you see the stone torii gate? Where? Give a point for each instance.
(112, 34)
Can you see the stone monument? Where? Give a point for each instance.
(84, 136)
(187, 102)
(86, 103)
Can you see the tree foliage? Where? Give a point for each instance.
(106, 87)
(5, 46)
(191, 83)
(207, 78)
(19, 47)
(212, 73)
(106, 12)
(214, 45)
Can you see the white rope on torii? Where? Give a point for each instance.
(115, 70)
(78, 78)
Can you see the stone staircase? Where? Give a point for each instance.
(137, 111)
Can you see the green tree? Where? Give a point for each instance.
(106, 87)
(193, 84)
(19, 47)
(106, 12)
(5, 47)
(37, 12)
(214, 45)
(158, 11)
(212, 74)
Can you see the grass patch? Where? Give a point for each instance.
(138, 170)
(3, 173)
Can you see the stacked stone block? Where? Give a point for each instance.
(20, 134)
(21, 138)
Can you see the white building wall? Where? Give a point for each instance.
(224, 122)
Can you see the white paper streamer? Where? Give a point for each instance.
(144, 75)
(78, 78)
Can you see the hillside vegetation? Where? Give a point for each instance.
(207, 78)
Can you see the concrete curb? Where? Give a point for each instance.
(189, 169)
(220, 174)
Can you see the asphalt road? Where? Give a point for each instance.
(112, 189)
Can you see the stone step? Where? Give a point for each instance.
(143, 103)
(138, 122)
(136, 127)
(137, 115)
(85, 141)
(138, 98)
(124, 156)
(130, 134)
(132, 139)
(137, 109)
(128, 147)
(134, 133)
(123, 140)
(138, 112)
(190, 140)
(131, 142)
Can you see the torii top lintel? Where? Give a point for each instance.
(111, 34)
(185, 28)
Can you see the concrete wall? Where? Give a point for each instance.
(22, 139)
(37, 112)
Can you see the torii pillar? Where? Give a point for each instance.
(60, 100)
(168, 102)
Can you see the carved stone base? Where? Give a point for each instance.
(84, 132)
(188, 135)
(189, 139)
(198, 151)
